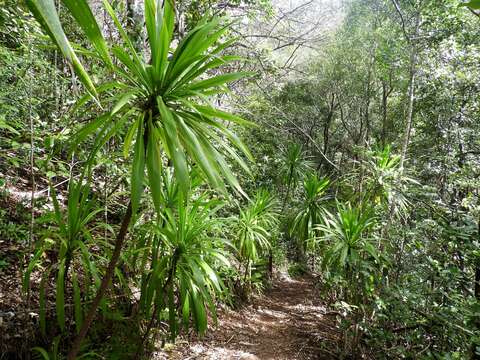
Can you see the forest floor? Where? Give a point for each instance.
(287, 322)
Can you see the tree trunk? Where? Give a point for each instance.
(328, 121)
(386, 91)
(366, 137)
(477, 281)
(104, 285)
(411, 91)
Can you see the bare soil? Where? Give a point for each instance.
(287, 322)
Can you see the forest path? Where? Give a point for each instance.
(287, 322)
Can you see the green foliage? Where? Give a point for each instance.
(185, 257)
(185, 251)
(398, 246)
(12, 230)
(55, 354)
(163, 104)
(310, 212)
(386, 183)
(403, 283)
(297, 269)
(166, 98)
(69, 240)
(254, 231)
(473, 4)
(45, 355)
(348, 238)
(254, 225)
(3, 264)
(294, 167)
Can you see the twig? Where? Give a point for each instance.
(282, 114)
(399, 11)
(228, 341)
(474, 12)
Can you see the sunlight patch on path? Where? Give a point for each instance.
(287, 323)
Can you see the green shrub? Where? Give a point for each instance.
(297, 269)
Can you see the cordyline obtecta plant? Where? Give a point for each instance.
(161, 96)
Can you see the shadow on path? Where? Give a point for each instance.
(288, 322)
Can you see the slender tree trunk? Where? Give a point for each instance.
(289, 184)
(104, 285)
(122, 234)
(367, 103)
(477, 281)
(411, 91)
(361, 118)
(328, 121)
(168, 282)
(386, 91)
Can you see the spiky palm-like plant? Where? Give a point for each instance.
(386, 181)
(347, 233)
(350, 254)
(310, 213)
(183, 254)
(160, 96)
(254, 226)
(70, 239)
(294, 167)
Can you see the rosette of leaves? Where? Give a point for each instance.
(159, 99)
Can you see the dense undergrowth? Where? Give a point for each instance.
(148, 179)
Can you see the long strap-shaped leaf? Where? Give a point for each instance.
(46, 14)
(473, 4)
(154, 167)
(86, 20)
(138, 167)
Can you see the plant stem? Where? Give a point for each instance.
(169, 281)
(104, 285)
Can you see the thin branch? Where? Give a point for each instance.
(399, 11)
(474, 12)
(282, 114)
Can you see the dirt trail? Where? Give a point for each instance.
(288, 322)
